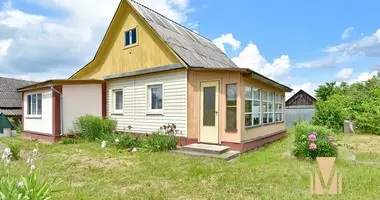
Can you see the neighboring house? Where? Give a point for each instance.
(300, 106)
(157, 72)
(10, 100)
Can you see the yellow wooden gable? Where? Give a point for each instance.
(114, 58)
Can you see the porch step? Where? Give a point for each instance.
(206, 148)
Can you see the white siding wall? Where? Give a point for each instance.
(135, 102)
(80, 100)
(40, 124)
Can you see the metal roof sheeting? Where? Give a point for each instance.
(192, 48)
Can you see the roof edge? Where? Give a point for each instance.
(59, 82)
(146, 71)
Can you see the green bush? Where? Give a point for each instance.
(126, 141)
(92, 127)
(160, 142)
(29, 187)
(15, 150)
(313, 141)
(68, 141)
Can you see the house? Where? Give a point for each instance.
(10, 100)
(299, 106)
(156, 71)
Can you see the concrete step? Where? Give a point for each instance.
(229, 155)
(206, 148)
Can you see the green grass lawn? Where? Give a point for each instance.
(89, 172)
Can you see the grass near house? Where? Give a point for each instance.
(89, 172)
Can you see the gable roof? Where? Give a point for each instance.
(195, 50)
(297, 95)
(10, 100)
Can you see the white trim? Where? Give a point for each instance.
(113, 104)
(253, 99)
(31, 115)
(273, 109)
(149, 110)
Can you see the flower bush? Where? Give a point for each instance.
(314, 141)
(30, 186)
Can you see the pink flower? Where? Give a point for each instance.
(314, 133)
(334, 144)
(312, 137)
(312, 146)
(330, 138)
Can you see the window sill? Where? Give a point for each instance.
(130, 46)
(268, 124)
(281, 122)
(231, 130)
(34, 117)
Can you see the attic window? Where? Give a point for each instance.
(130, 37)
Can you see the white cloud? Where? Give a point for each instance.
(227, 39)
(344, 74)
(346, 33)
(250, 57)
(365, 76)
(326, 62)
(367, 46)
(4, 45)
(307, 87)
(55, 47)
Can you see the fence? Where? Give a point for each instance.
(303, 113)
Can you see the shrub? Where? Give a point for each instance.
(160, 142)
(92, 127)
(68, 141)
(314, 141)
(15, 150)
(126, 141)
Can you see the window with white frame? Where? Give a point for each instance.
(130, 37)
(279, 99)
(252, 106)
(268, 110)
(117, 101)
(155, 100)
(34, 106)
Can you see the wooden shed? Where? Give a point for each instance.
(299, 106)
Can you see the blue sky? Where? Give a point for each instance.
(299, 43)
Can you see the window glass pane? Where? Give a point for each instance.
(156, 95)
(248, 92)
(270, 107)
(265, 95)
(265, 118)
(34, 106)
(256, 119)
(209, 106)
(248, 119)
(118, 100)
(256, 107)
(265, 107)
(270, 119)
(134, 36)
(231, 117)
(39, 104)
(256, 93)
(231, 95)
(280, 107)
(127, 38)
(248, 106)
(29, 104)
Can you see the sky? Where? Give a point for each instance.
(301, 44)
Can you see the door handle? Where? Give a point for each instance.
(216, 112)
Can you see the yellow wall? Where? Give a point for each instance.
(255, 132)
(114, 58)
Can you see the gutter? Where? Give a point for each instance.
(60, 107)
